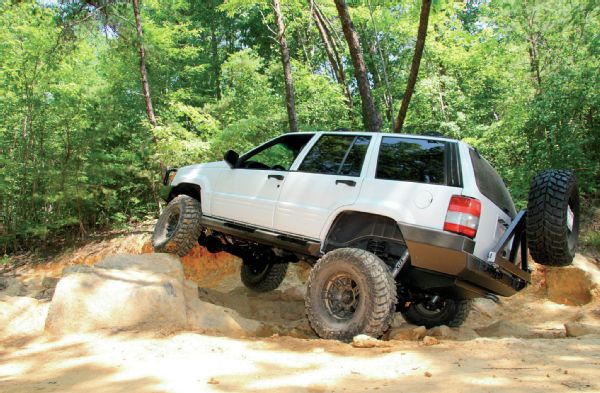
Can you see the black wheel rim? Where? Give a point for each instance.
(172, 224)
(341, 295)
(430, 308)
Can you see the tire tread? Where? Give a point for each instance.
(547, 232)
(382, 299)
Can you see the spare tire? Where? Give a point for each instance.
(553, 217)
(178, 227)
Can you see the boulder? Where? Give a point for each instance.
(408, 333)
(49, 282)
(10, 286)
(429, 340)
(398, 321)
(21, 316)
(486, 307)
(364, 341)
(123, 292)
(441, 331)
(164, 264)
(569, 285)
(503, 328)
(461, 334)
(576, 329)
(210, 318)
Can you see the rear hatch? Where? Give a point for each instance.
(491, 185)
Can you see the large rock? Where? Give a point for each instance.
(21, 316)
(210, 318)
(572, 285)
(503, 328)
(10, 286)
(122, 291)
(408, 333)
(364, 341)
(575, 329)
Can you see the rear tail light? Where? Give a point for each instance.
(463, 216)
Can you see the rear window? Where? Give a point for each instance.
(414, 160)
(491, 184)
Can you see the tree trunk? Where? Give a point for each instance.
(371, 118)
(214, 46)
(532, 39)
(147, 98)
(143, 73)
(377, 49)
(332, 55)
(416, 63)
(287, 67)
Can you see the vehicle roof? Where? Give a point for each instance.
(415, 136)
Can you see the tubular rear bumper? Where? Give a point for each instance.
(450, 259)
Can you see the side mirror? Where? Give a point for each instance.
(231, 158)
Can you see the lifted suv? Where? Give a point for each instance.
(390, 222)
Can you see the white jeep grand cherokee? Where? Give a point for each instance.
(390, 222)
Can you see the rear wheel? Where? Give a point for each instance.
(553, 217)
(435, 311)
(350, 292)
(178, 227)
(263, 277)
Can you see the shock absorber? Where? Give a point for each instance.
(400, 263)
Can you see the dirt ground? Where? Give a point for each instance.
(519, 345)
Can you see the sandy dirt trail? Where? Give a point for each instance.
(188, 362)
(539, 359)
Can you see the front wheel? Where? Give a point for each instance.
(178, 227)
(350, 292)
(435, 311)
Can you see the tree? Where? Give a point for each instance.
(416, 63)
(287, 67)
(371, 117)
(78, 151)
(332, 53)
(143, 72)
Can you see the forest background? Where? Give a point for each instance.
(98, 97)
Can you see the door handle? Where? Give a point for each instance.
(350, 183)
(278, 177)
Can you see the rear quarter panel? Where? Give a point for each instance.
(412, 203)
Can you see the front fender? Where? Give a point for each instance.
(204, 176)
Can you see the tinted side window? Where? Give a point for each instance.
(337, 155)
(277, 154)
(491, 184)
(415, 160)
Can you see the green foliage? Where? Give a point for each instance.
(517, 80)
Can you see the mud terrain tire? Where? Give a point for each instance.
(350, 292)
(553, 217)
(265, 278)
(453, 314)
(178, 227)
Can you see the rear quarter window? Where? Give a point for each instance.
(413, 160)
(491, 184)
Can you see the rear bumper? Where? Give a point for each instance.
(445, 262)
